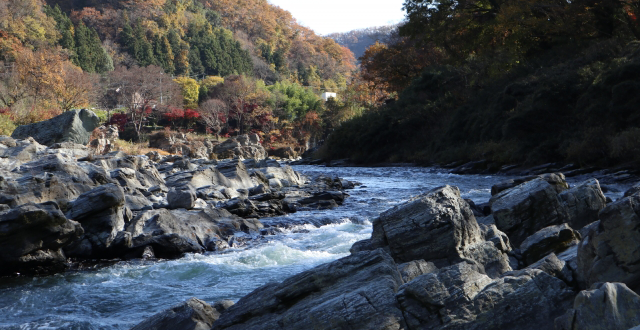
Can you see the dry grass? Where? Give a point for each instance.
(140, 148)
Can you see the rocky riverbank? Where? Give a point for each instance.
(62, 204)
(540, 255)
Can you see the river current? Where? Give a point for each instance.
(121, 295)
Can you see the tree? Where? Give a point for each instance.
(214, 113)
(41, 72)
(245, 99)
(140, 89)
(78, 89)
(190, 91)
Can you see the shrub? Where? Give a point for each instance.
(7, 126)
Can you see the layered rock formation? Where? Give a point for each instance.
(55, 205)
(430, 264)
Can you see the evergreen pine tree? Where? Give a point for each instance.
(143, 50)
(195, 64)
(182, 60)
(83, 48)
(167, 50)
(174, 40)
(127, 40)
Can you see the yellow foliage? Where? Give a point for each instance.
(211, 81)
(190, 91)
(7, 126)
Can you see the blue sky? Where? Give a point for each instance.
(330, 16)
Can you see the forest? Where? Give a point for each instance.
(502, 82)
(212, 67)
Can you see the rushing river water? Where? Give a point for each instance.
(121, 295)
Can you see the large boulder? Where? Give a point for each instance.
(242, 146)
(609, 252)
(552, 239)
(171, 233)
(183, 197)
(31, 238)
(555, 179)
(102, 214)
(193, 314)
(209, 176)
(355, 292)
(606, 306)
(583, 201)
(237, 174)
(526, 208)
(439, 227)
(460, 297)
(72, 126)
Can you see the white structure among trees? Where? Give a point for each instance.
(326, 95)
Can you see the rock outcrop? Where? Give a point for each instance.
(439, 227)
(606, 306)
(32, 237)
(357, 292)
(526, 208)
(122, 207)
(242, 146)
(72, 126)
(609, 252)
(429, 264)
(193, 314)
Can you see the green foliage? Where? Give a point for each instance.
(293, 101)
(83, 42)
(7, 126)
(581, 109)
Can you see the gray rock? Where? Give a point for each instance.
(193, 314)
(31, 238)
(555, 179)
(551, 265)
(72, 126)
(459, 297)
(199, 178)
(242, 146)
(439, 227)
(101, 212)
(173, 233)
(355, 292)
(237, 174)
(583, 201)
(413, 269)
(524, 209)
(609, 252)
(552, 239)
(183, 197)
(606, 306)
(223, 305)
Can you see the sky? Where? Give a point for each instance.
(328, 16)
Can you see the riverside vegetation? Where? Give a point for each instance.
(508, 82)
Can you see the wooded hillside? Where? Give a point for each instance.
(509, 82)
(64, 54)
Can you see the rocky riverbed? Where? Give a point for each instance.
(392, 247)
(119, 294)
(542, 254)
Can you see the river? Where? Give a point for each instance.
(121, 295)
